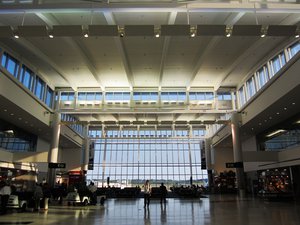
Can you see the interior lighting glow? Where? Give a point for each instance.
(297, 36)
(262, 35)
(86, 35)
(275, 132)
(51, 36)
(16, 36)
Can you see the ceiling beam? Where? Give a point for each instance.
(289, 20)
(166, 45)
(156, 6)
(47, 60)
(50, 20)
(121, 47)
(230, 21)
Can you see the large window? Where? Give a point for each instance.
(49, 97)
(294, 49)
(251, 90)
(242, 98)
(11, 64)
(262, 76)
(201, 96)
(129, 157)
(117, 96)
(90, 96)
(145, 96)
(39, 88)
(173, 96)
(15, 139)
(26, 77)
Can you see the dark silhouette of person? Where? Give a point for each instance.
(147, 193)
(163, 193)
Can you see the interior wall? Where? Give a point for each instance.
(222, 156)
(72, 158)
(23, 99)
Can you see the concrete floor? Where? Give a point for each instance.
(213, 210)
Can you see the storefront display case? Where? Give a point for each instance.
(275, 183)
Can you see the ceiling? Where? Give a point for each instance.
(133, 62)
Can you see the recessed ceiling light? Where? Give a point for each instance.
(228, 35)
(275, 132)
(285, 108)
(86, 35)
(157, 35)
(51, 36)
(277, 113)
(262, 35)
(11, 114)
(5, 110)
(293, 103)
(16, 36)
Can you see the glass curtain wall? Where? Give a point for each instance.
(127, 158)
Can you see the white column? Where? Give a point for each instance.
(208, 154)
(85, 150)
(53, 152)
(237, 151)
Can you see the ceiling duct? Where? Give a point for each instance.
(33, 31)
(6, 31)
(175, 30)
(211, 30)
(139, 30)
(246, 30)
(281, 30)
(103, 30)
(67, 30)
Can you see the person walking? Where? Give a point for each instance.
(5, 192)
(163, 193)
(147, 193)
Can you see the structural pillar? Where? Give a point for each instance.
(53, 152)
(208, 160)
(85, 150)
(237, 152)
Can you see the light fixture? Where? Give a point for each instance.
(86, 35)
(51, 36)
(274, 133)
(263, 35)
(193, 34)
(121, 34)
(16, 36)
(228, 32)
(297, 36)
(157, 35)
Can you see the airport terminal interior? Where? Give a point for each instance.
(198, 97)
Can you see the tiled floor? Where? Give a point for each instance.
(214, 210)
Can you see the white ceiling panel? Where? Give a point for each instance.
(141, 18)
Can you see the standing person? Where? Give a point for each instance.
(46, 194)
(163, 193)
(5, 192)
(93, 193)
(147, 193)
(37, 196)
